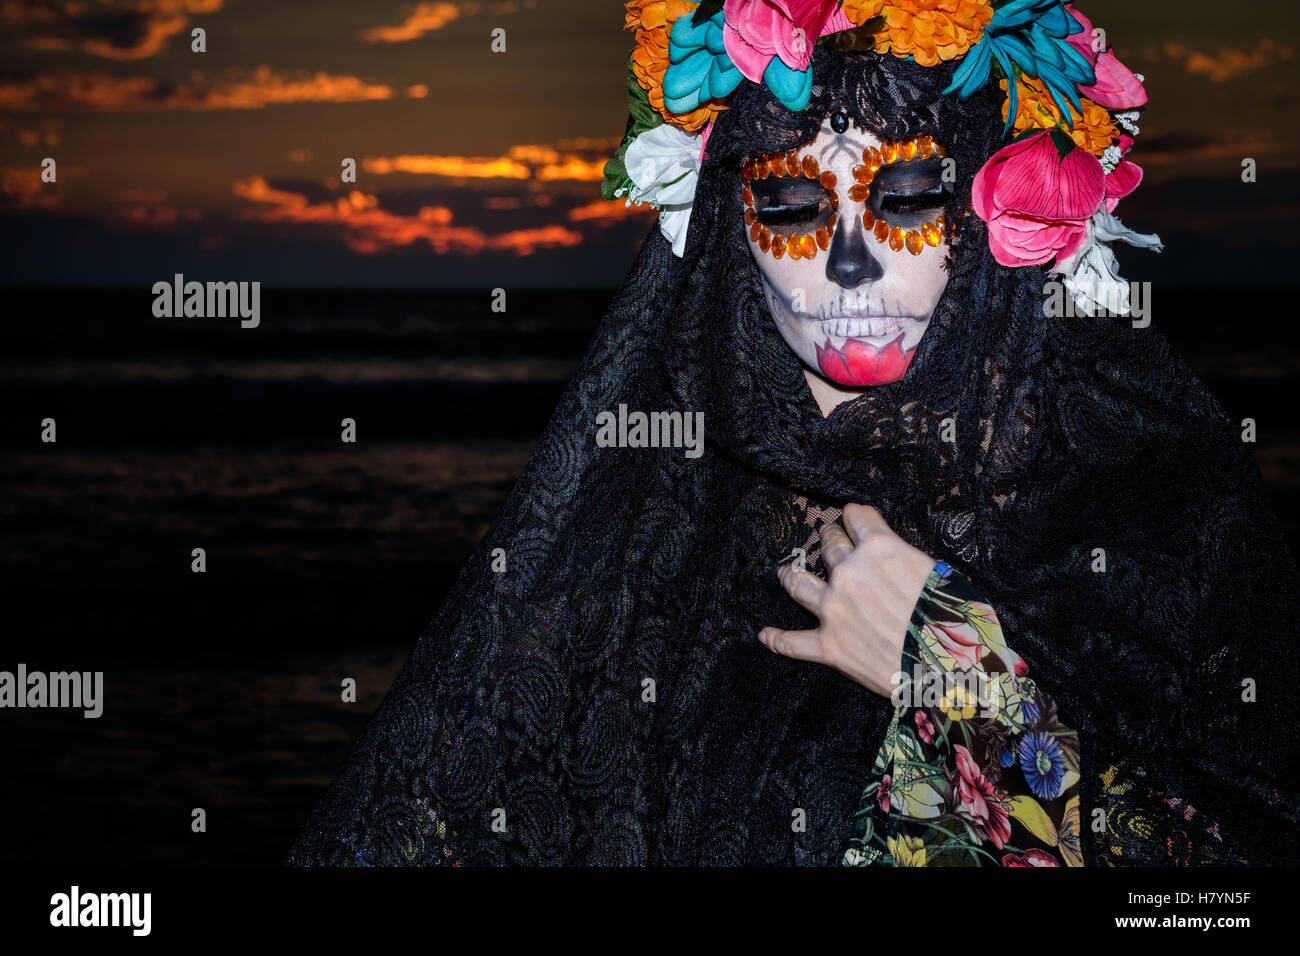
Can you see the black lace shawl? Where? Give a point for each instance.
(603, 700)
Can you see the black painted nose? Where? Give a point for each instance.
(849, 262)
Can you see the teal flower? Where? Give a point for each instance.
(1029, 35)
(699, 69)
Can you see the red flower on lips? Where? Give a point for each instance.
(860, 363)
(1037, 196)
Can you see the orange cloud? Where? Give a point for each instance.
(430, 18)
(607, 212)
(525, 161)
(370, 230)
(1225, 63)
(99, 92)
(473, 167)
(157, 31)
(109, 29)
(21, 186)
(425, 18)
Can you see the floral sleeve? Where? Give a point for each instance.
(976, 769)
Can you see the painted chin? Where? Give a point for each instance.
(860, 363)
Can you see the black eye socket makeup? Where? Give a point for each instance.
(904, 189)
(791, 204)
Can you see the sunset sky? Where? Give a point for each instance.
(478, 167)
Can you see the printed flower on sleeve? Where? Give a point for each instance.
(976, 768)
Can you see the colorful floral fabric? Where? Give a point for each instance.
(976, 768)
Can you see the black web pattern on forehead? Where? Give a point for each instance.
(893, 98)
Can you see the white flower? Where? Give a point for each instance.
(664, 164)
(1128, 121)
(1111, 158)
(1092, 273)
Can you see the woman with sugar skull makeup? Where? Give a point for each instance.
(954, 582)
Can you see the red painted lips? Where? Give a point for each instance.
(861, 364)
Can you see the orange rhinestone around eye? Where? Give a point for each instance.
(806, 245)
(791, 164)
(914, 241)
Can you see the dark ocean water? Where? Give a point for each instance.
(325, 560)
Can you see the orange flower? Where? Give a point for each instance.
(652, 19)
(927, 30)
(1035, 109)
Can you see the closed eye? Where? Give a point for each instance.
(785, 214)
(918, 201)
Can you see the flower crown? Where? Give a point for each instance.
(1070, 114)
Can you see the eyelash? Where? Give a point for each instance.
(780, 214)
(931, 198)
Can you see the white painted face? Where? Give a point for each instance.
(856, 311)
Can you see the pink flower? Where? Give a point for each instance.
(980, 802)
(1117, 88)
(924, 727)
(757, 30)
(886, 788)
(1124, 178)
(1037, 198)
(1030, 858)
(961, 641)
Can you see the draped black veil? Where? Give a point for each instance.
(603, 700)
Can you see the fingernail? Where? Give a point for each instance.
(762, 638)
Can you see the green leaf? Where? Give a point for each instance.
(1061, 140)
(641, 117)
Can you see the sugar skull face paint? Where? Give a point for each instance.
(852, 258)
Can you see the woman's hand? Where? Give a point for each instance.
(876, 579)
